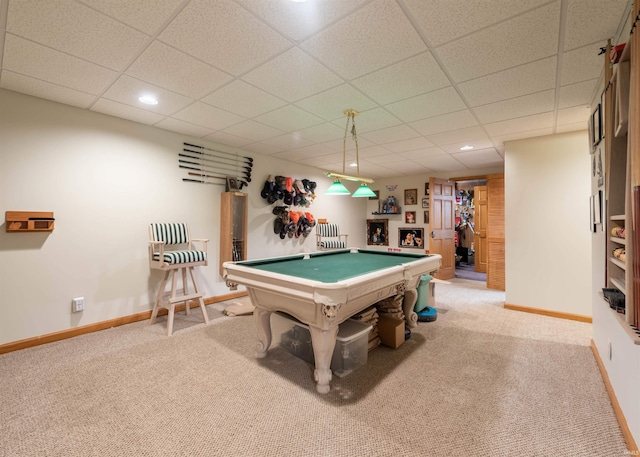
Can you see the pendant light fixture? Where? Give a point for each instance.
(337, 188)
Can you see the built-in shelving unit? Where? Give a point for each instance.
(29, 221)
(233, 227)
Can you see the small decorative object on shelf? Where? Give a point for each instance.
(29, 221)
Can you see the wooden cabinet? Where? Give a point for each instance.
(233, 227)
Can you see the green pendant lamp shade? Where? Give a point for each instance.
(337, 188)
(364, 191)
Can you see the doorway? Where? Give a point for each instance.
(470, 227)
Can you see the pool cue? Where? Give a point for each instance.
(242, 183)
(246, 177)
(248, 159)
(222, 160)
(205, 182)
(198, 161)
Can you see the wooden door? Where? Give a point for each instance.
(480, 228)
(442, 225)
(495, 233)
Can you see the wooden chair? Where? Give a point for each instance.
(328, 237)
(181, 256)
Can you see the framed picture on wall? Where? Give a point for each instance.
(592, 144)
(411, 196)
(425, 202)
(378, 232)
(426, 217)
(410, 217)
(411, 237)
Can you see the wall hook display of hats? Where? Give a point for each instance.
(211, 166)
(292, 192)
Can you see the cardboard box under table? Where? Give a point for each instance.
(351, 348)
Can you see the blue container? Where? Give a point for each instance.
(423, 293)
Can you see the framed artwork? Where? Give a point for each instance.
(411, 237)
(232, 184)
(426, 189)
(377, 197)
(425, 202)
(597, 124)
(410, 217)
(378, 232)
(592, 144)
(426, 217)
(411, 196)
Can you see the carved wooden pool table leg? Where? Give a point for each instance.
(408, 303)
(323, 341)
(262, 319)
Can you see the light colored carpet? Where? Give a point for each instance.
(479, 381)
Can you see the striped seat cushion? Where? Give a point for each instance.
(173, 257)
(332, 244)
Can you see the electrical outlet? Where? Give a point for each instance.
(77, 304)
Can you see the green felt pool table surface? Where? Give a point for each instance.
(331, 267)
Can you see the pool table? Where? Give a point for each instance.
(323, 289)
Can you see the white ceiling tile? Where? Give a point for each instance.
(287, 141)
(223, 34)
(76, 30)
(444, 163)
(289, 118)
(241, 98)
(407, 167)
(322, 133)
(577, 94)
(575, 115)
(388, 158)
(402, 80)
(434, 103)
(298, 20)
(292, 76)
(500, 138)
(167, 67)
(419, 143)
(522, 80)
(581, 64)
(228, 139)
(143, 15)
(523, 124)
(455, 136)
(443, 21)
(207, 116)
(126, 111)
(331, 104)
(261, 148)
(176, 125)
(504, 45)
(390, 134)
(591, 21)
(127, 90)
(374, 36)
(572, 128)
(478, 144)
(253, 131)
(43, 89)
(446, 122)
(480, 159)
(420, 154)
(373, 151)
(372, 119)
(312, 150)
(31, 59)
(369, 169)
(517, 107)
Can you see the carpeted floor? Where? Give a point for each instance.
(479, 381)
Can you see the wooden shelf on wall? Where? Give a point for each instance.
(29, 221)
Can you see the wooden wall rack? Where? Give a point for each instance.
(29, 221)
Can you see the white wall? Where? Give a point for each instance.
(548, 241)
(106, 179)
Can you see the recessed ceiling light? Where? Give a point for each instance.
(466, 148)
(298, 1)
(353, 164)
(148, 100)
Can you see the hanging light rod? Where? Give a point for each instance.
(331, 174)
